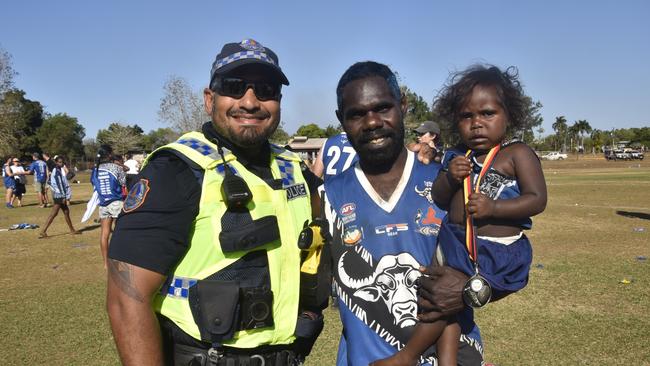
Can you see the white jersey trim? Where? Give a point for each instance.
(389, 205)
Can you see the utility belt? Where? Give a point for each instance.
(194, 356)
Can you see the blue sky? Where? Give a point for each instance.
(107, 61)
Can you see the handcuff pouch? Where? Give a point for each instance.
(214, 308)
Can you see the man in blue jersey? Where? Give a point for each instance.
(385, 224)
(39, 169)
(108, 180)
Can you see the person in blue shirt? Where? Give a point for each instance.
(61, 194)
(9, 182)
(38, 168)
(107, 179)
(334, 157)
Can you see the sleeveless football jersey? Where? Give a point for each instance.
(338, 155)
(377, 249)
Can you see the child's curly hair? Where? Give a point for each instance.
(459, 87)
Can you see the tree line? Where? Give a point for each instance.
(25, 126)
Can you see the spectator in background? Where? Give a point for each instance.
(49, 162)
(132, 173)
(108, 178)
(334, 157)
(61, 194)
(429, 133)
(19, 177)
(38, 168)
(10, 183)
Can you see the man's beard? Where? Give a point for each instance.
(248, 136)
(379, 159)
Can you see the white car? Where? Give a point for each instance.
(554, 155)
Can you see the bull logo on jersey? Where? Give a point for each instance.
(393, 282)
(426, 191)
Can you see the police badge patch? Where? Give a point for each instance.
(136, 196)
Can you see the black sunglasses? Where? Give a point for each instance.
(236, 88)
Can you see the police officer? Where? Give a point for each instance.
(204, 267)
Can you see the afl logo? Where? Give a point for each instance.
(347, 209)
(251, 45)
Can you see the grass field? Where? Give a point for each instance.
(594, 233)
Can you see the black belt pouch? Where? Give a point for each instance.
(214, 308)
(251, 235)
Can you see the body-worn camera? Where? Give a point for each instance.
(256, 307)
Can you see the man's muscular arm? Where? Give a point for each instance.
(131, 290)
(440, 292)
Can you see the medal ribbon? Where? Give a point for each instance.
(470, 235)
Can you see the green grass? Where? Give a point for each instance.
(574, 311)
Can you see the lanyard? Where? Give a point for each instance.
(470, 234)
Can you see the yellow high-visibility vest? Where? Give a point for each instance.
(290, 205)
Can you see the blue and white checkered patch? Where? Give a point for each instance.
(258, 54)
(222, 170)
(286, 172)
(179, 287)
(199, 146)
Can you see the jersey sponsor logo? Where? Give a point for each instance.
(352, 235)
(426, 191)
(295, 191)
(347, 209)
(428, 224)
(391, 229)
(137, 195)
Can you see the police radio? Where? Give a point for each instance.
(234, 189)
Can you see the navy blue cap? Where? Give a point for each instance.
(248, 51)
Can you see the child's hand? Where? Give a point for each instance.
(398, 359)
(459, 168)
(480, 206)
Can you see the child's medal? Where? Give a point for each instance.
(477, 292)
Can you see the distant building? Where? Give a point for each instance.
(306, 147)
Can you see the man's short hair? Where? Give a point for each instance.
(36, 156)
(366, 69)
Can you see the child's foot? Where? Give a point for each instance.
(42, 235)
(9, 205)
(76, 232)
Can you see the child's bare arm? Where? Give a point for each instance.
(424, 335)
(447, 183)
(528, 171)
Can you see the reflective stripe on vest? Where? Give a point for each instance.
(204, 256)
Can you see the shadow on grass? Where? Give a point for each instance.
(636, 215)
(78, 202)
(89, 228)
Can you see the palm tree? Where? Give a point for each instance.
(560, 128)
(573, 133)
(583, 128)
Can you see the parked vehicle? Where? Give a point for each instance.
(637, 154)
(617, 155)
(554, 155)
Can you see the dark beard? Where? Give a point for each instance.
(378, 160)
(251, 136)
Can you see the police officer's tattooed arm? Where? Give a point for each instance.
(130, 294)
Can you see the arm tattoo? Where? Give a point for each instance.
(121, 274)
